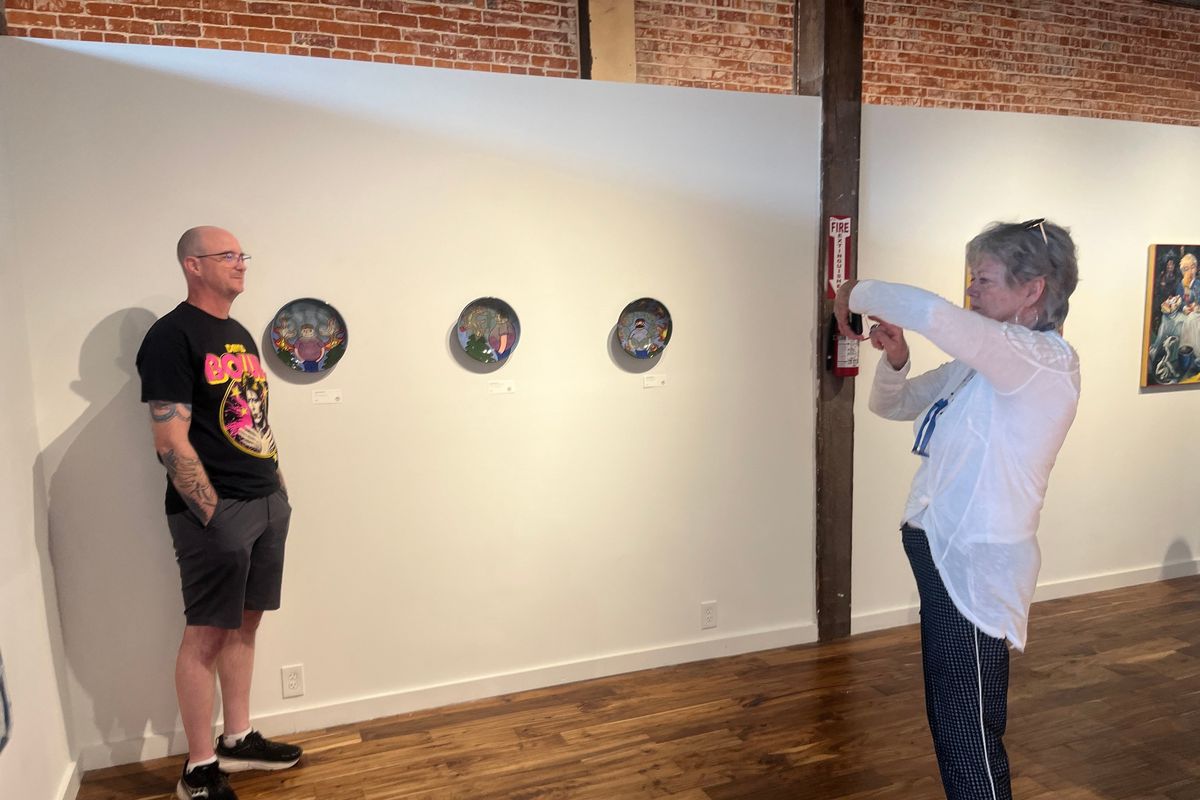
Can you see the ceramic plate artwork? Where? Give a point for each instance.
(644, 328)
(309, 335)
(488, 330)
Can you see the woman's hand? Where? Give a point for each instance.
(841, 310)
(883, 335)
(890, 339)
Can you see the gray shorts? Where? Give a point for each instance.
(234, 564)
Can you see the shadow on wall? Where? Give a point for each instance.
(1179, 561)
(116, 581)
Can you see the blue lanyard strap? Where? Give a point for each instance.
(925, 432)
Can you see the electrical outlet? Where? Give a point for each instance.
(293, 680)
(708, 614)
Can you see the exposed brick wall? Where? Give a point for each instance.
(525, 38)
(1115, 59)
(744, 45)
(1119, 59)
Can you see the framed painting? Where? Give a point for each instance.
(1171, 339)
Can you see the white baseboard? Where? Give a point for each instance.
(384, 705)
(880, 620)
(1052, 590)
(1115, 580)
(68, 787)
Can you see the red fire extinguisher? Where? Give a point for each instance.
(841, 353)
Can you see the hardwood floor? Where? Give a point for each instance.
(1104, 706)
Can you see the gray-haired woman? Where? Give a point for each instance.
(988, 426)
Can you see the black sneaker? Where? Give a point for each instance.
(204, 783)
(255, 752)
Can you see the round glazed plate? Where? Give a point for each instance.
(644, 328)
(488, 330)
(309, 335)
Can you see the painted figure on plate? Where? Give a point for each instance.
(308, 337)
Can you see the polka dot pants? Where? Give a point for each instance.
(966, 687)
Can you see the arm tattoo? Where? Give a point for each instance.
(161, 411)
(191, 481)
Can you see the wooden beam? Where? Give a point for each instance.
(841, 123)
(808, 46)
(583, 19)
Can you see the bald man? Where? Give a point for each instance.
(227, 507)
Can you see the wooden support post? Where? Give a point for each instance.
(808, 46)
(841, 113)
(583, 18)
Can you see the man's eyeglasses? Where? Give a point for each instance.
(1040, 224)
(229, 257)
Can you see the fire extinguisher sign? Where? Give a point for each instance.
(837, 254)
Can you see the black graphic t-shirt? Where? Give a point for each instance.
(212, 364)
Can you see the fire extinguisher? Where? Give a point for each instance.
(841, 354)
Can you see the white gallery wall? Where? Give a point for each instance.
(447, 543)
(36, 762)
(931, 180)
